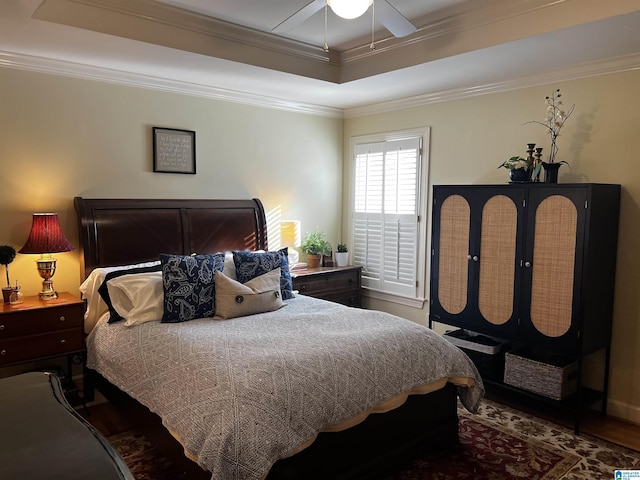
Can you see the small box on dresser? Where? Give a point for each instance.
(552, 376)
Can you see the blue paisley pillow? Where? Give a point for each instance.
(250, 265)
(189, 286)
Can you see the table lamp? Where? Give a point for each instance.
(45, 238)
(290, 237)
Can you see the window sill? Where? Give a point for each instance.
(394, 298)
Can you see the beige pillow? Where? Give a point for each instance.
(258, 295)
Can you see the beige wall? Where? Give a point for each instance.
(63, 137)
(471, 137)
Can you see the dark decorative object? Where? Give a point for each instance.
(519, 175)
(551, 171)
(530, 149)
(535, 176)
(7, 255)
(519, 169)
(174, 151)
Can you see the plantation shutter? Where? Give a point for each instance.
(385, 217)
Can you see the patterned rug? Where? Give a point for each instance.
(502, 443)
(497, 444)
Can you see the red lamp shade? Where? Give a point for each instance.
(46, 235)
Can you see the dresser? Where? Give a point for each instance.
(531, 263)
(37, 330)
(336, 284)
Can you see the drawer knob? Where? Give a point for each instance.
(63, 341)
(303, 288)
(62, 319)
(1, 327)
(3, 352)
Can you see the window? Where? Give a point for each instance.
(387, 209)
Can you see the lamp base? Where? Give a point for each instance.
(48, 295)
(46, 269)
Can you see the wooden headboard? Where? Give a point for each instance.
(126, 231)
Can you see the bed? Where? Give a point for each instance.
(309, 390)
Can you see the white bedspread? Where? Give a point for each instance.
(242, 393)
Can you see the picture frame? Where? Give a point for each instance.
(174, 150)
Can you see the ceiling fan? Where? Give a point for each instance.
(385, 13)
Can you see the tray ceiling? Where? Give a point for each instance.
(228, 47)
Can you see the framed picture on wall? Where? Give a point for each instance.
(174, 151)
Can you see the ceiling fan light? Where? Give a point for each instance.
(349, 9)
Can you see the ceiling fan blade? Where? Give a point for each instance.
(393, 20)
(300, 16)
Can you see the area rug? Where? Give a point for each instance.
(498, 443)
(501, 443)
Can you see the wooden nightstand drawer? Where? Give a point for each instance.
(39, 329)
(350, 299)
(48, 344)
(324, 284)
(339, 284)
(29, 322)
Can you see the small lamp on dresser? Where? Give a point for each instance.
(290, 238)
(46, 237)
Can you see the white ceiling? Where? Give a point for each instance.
(265, 15)
(467, 46)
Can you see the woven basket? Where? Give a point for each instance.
(486, 353)
(527, 371)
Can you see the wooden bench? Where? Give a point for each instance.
(41, 436)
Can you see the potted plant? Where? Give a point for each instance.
(7, 254)
(314, 247)
(519, 169)
(342, 255)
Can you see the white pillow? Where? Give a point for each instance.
(229, 266)
(138, 298)
(96, 307)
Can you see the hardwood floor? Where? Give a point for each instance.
(106, 418)
(613, 430)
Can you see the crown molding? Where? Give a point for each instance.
(624, 63)
(449, 31)
(101, 74)
(168, 26)
(620, 64)
(472, 26)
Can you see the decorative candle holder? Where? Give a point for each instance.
(537, 162)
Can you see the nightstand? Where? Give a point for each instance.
(337, 284)
(36, 330)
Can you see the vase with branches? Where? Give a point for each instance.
(553, 123)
